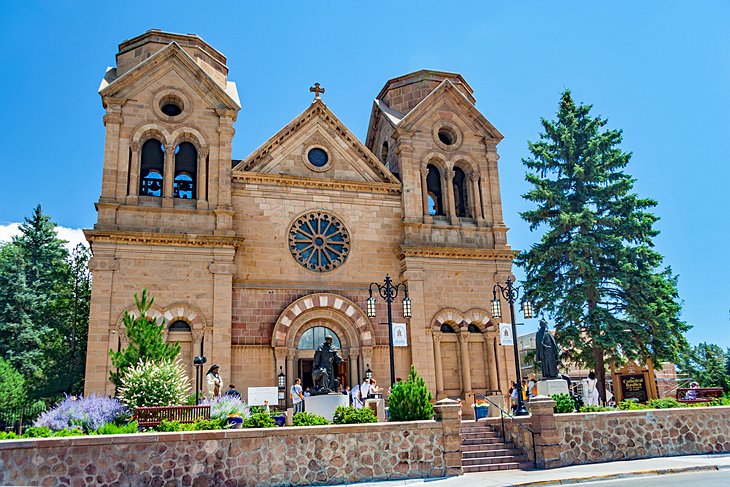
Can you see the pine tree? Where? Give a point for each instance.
(146, 340)
(595, 270)
(410, 400)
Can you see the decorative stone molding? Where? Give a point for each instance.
(454, 253)
(240, 177)
(165, 239)
(222, 268)
(452, 316)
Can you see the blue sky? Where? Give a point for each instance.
(658, 70)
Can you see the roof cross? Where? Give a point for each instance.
(316, 90)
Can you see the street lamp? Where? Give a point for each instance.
(119, 349)
(368, 372)
(282, 385)
(510, 293)
(389, 292)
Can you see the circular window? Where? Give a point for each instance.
(446, 136)
(317, 157)
(171, 105)
(319, 241)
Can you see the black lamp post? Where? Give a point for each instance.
(368, 372)
(282, 386)
(389, 292)
(510, 293)
(119, 349)
(198, 362)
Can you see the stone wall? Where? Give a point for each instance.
(277, 456)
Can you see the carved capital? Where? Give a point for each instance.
(203, 152)
(450, 173)
(169, 149)
(198, 336)
(474, 176)
(281, 353)
(437, 337)
(424, 170)
(463, 336)
(135, 147)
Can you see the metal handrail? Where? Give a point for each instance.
(504, 432)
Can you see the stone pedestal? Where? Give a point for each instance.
(499, 401)
(552, 386)
(378, 407)
(325, 404)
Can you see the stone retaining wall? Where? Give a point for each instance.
(276, 456)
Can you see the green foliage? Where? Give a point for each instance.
(410, 400)
(707, 364)
(44, 303)
(259, 420)
(665, 403)
(146, 340)
(308, 419)
(8, 435)
(595, 409)
(631, 406)
(12, 387)
(117, 429)
(595, 270)
(46, 432)
(168, 426)
(209, 424)
(351, 415)
(151, 383)
(563, 403)
(720, 401)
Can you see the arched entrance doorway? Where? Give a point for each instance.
(300, 329)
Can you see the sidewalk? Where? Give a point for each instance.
(571, 475)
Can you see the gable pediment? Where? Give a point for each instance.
(171, 59)
(287, 152)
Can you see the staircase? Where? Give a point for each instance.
(483, 450)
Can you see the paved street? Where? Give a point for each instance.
(687, 471)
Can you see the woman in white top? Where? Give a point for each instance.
(214, 381)
(592, 391)
(355, 394)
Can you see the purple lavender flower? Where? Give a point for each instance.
(88, 413)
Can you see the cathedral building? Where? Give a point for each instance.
(251, 262)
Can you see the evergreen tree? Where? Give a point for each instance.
(410, 400)
(595, 270)
(12, 387)
(146, 341)
(707, 364)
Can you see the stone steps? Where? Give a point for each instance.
(483, 450)
(496, 452)
(493, 460)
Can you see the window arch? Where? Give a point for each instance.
(179, 325)
(446, 328)
(314, 337)
(186, 171)
(473, 328)
(152, 168)
(460, 193)
(433, 186)
(384, 152)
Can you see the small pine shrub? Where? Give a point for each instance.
(410, 400)
(594, 409)
(308, 419)
(631, 405)
(259, 420)
(351, 415)
(563, 403)
(116, 429)
(150, 383)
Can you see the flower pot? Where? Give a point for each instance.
(235, 422)
(481, 412)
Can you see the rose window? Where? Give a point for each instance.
(319, 241)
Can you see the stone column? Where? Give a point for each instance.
(424, 194)
(548, 435)
(492, 381)
(484, 186)
(169, 176)
(476, 199)
(465, 365)
(113, 121)
(450, 192)
(438, 365)
(222, 269)
(98, 364)
(202, 188)
(352, 366)
(446, 411)
(133, 190)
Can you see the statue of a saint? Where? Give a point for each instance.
(324, 373)
(547, 352)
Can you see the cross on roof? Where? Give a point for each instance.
(316, 90)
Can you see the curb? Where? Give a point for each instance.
(638, 473)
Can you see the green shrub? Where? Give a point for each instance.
(37, 432)
(12, 387)
(206, 424)
(595, 409)
(117, 429)
(9, 435)
(351, 415)
(259, 420)
(631, 406)
(150, 383)
(664, 403)
(167, 426)
(68, 432)
(308, 419)
(410, 400)
(719, 401)
(563, 403)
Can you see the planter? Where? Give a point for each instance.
(481, 412)
(235, 422)
(280, 420)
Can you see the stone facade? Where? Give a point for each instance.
(278, 456)
(210, 237)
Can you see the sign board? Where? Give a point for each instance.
(400, 335)
(257, 396)
(505, 335)
(634, 386)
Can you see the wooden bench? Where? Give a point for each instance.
(153, 416)
(701, 394)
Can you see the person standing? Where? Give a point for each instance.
(356, 399)
(297, 396)
(364, 389)
(214, 381)
(233, 392)
(592, 390)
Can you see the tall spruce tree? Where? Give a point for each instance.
(595, 271)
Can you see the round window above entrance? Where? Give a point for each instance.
(319, 241)
(314, 337)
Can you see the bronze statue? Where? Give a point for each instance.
(324, 374)
(547, 352)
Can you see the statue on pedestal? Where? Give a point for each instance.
(547, 352)
(324, 373)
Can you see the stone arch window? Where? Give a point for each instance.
(473, 328)
(446, 328)
(152, 168)
(186, 171)
(179, 326)
(460, 193)
(384, 152)
(314, 337)
(435, 196)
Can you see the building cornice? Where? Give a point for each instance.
(303, 182)
(455, 253)
(167, 239)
